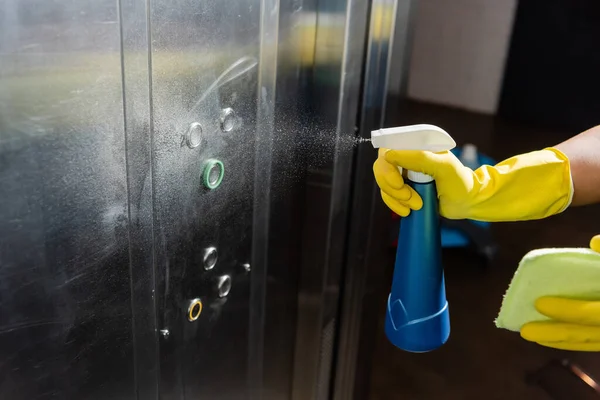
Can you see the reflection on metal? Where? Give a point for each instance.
(214, 170)
(223, 285)
(209, 258)
(563, 379)
(193, 137)
(165, 333)
(194, 310)
(581, 374)
(228, 120)
(246, 267)
(234, 71)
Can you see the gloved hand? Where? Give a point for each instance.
(525, 187)
(575, 324)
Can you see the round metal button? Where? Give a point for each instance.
(223, 285)
(228, 120)
(209, 259)
(193, 137)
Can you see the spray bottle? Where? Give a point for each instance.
(417, 317)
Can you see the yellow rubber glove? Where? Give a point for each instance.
(575, 324)
(525, 187)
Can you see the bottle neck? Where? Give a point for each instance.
(418, 177)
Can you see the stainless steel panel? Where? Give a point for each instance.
(109, 112)
(65, 307)
(286, 208)
(205, 59)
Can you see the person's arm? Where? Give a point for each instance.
(583, 152)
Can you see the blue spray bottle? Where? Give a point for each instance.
(417, 317)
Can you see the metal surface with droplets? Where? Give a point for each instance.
(108, 112)
(66, 309)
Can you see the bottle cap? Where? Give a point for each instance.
(418, 177)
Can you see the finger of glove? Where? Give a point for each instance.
(588, 347)
(559, 332)
(595, 243)
(569, 310)
(395, 205)
(415, 202)
(419, 161)
(389, 180)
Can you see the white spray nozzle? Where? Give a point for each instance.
(413, 137)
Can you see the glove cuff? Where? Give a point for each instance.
(528, 186)
(564, 157)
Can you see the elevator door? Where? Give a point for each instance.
(174, 180)
(252, 111)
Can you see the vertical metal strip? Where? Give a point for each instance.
(388, 30)
(349, 99)
(400, 48)
(356, 29)
(339, 48)
(137, 101)
(363, 240)
(269, 31)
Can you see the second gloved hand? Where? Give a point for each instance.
(525, 187)
(573, 325)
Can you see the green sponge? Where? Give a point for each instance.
(570, 273)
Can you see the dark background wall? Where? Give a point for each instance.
(552, 75)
